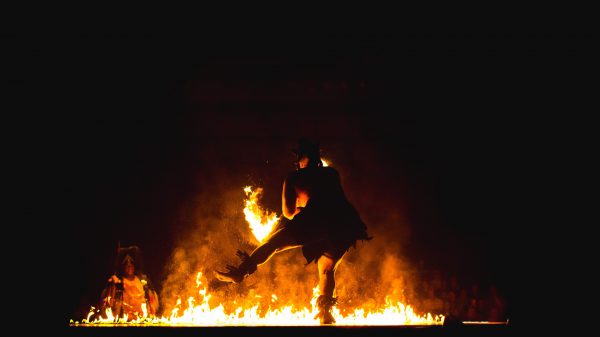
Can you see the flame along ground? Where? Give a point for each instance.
(203, 314)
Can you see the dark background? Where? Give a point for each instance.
(454, 115)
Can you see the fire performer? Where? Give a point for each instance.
(321, 220)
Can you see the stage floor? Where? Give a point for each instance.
(467, 329)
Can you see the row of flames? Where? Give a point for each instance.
(261, 223)
(202, 314)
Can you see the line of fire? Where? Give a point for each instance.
(208, 305)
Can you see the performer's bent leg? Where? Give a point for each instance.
(278, 242)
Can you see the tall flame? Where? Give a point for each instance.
(261, 222)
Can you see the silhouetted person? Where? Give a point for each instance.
(321, 221)
(129, 291)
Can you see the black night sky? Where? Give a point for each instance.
(428, 126)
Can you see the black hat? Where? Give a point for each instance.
(132, 254)
(308, 149)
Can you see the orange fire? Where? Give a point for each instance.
(197, 311)
(261, 222)
(203, 314)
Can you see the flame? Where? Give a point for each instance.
(325, 163)
(261, 222)
(199, 312)
(203, 314)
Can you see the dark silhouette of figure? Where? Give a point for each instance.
(129, 291)
(321, 221)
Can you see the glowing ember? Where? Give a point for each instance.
(203, 314)
(261, 222)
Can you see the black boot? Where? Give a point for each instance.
(324, 303)
(237, 274)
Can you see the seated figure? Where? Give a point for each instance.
(129, 292)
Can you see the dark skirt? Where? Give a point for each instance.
(330, 230)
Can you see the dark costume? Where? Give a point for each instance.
(328, 224)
